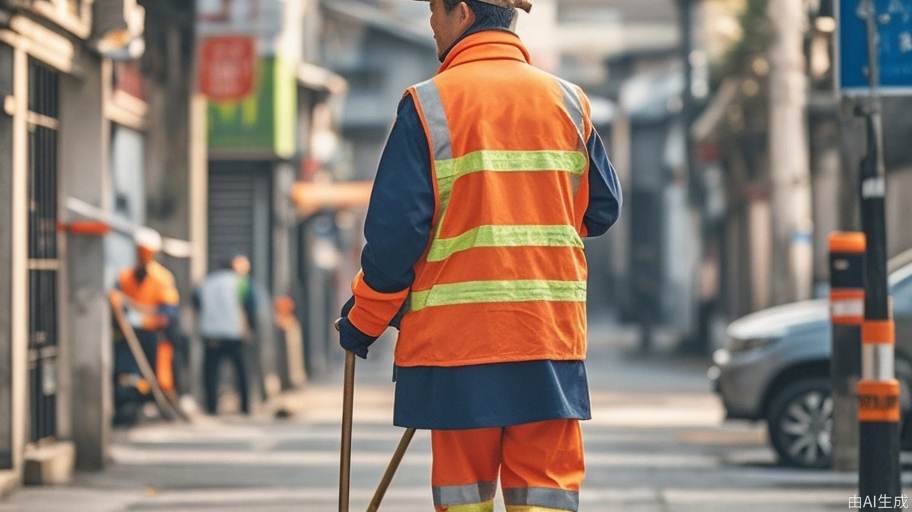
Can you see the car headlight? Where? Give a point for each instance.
(721, 357)
(743, 345)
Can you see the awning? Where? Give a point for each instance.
(310, 197)
(104, 222)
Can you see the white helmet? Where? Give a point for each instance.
(148, 238)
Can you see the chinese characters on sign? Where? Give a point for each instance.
(227, 67)
(894, 26)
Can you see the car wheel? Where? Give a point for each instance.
(800, 423)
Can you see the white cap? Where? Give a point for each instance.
(148, 238)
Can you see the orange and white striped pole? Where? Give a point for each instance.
(878, 412)
(878, 391)
(847, 297)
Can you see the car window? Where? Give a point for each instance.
(902, 297)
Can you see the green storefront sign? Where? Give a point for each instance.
(264, 121)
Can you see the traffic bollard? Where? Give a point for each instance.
(847, 315)
(878, 390)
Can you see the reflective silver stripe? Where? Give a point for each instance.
(542, 497)
(573, 106)
(852, 308)
(464, 494)
(435, 115)
(877, 361)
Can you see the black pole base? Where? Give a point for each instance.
(879, 471)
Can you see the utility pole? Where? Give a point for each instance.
(878, 390)
(685, 14)
(694, 343)
(789, 164)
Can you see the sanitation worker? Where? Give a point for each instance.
(152, 301)
(491, 177)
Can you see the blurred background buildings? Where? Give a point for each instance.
(254, 127)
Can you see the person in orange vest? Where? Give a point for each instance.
(491, 177)
(151, 306)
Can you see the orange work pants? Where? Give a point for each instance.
(540, 466)
(164, 361)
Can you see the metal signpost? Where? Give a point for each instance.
(874, 55)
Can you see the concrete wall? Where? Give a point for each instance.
(84, 148)
(167, 171)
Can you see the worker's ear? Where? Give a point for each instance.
(466, 14)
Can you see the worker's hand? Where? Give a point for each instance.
(350, 337)
(354, 340)
(162, 321)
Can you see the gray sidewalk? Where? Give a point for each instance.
(656, 443)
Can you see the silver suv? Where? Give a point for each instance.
(776, 367)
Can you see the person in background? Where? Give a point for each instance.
(226, 306)
(151, 308)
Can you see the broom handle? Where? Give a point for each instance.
(391, 470)
(347, 404)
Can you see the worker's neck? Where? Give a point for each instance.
(472, 30)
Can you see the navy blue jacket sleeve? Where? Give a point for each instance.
(605, 197)
(398, 223)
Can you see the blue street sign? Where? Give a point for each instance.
(894, 25)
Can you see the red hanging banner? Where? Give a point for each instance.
(227, 67)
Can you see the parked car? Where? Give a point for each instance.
(776, 368)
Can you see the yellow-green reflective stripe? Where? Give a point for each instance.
(448, 170)
(573, 162)
(487, 506)
(505, 236)
(471, 292)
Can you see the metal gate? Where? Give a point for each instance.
(240, 206)
(43, 257)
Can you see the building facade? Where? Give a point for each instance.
(94, 135)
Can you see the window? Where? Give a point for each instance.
(902, 296)
(43, 255)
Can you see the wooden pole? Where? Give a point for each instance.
(347, 404)
(391, 470)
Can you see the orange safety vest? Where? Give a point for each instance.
(156, 289)
(504, 275)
